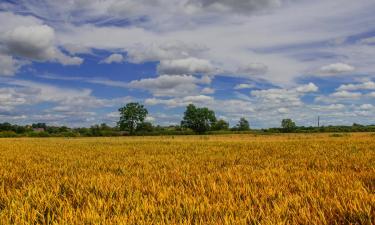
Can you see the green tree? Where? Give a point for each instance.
(131, 116)
(199, 120)
(145, 127)
(243, 125)
(220, 125)
(288, 125)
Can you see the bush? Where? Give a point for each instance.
(69, 134)
(38, 134)
(7, 134)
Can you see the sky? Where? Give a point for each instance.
(76, 62)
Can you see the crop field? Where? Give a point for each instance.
(225, 179)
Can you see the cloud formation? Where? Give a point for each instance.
(114, 58)
(186, 66)
(336, 68)
(36, 43)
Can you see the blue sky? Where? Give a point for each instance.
(76, 62)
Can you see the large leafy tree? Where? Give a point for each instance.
(199, 120)
(220, 125)
(288, 125)
(131, 116)
(243, 125)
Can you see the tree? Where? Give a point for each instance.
(145, 127)
(220, 125)
(39, 125)
(288, 125)
(199, 120)
(131, 116)
(243, 125)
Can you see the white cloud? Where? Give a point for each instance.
(308, 88)
(171, 50)
(186, 66)
(253, 69)
(243, 86)
(239, 6)
(74, 49)
(336, 68)
(181, 102)
(289, 97)
(283, 110)
(169, 85)
(346, 95)
(229, 40)
(36, 43)
(369, 85)
(208, 91)
(368, 41)
(9, 66)
(31, 93)
(114, 58)
(367, 107)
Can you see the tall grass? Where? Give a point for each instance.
(233, 179)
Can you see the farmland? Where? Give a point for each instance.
(224, 179)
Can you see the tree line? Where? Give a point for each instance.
(195, 120)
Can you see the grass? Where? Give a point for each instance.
(229, 179)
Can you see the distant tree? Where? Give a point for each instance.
(6, 127)
(145, 127)
(220, 125)
(131, 116)
(199, 120)
(243, 125)
(288, 125)
(39, 125)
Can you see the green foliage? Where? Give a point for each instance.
(7, 134)
(145, 127)
(131, 116)
(220, 125)
(243, 125)
(199, 120)
(288, 125)
(38, 134)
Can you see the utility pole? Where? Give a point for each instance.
(318, 121)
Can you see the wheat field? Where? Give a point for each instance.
(226, 179)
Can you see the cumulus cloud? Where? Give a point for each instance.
(9, 65)
(169, 85)
(36, 43)
(368, 41)
(170, 50)
(208, 90)
(114, 58)
(339, 96)
(308, 88)
(243, 86)
(181, 102)
(369, 85)
(186, 66)
(346, 95)
(366, 107)
(253, 69)
(31, 93)
(336, 68)
(289, 97)
(74, 49)
(241, 6)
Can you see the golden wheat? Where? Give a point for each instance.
(232, 179)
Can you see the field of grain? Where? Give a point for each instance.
(231, 179)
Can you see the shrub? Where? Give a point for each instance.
(7, 134)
